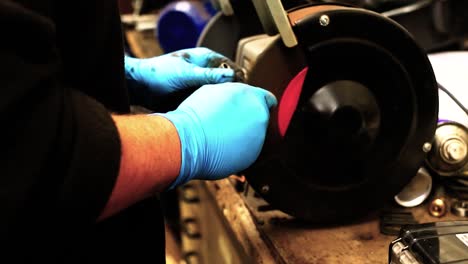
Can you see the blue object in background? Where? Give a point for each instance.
(180, 24)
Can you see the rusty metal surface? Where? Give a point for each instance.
(270, 236)
(356, 243)
(275, 237)
(241, 222)
(299, 242)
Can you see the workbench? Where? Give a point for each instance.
(222, 228)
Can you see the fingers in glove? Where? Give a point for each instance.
(202, 57)
(270, 98)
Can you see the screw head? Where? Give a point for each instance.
(265, 189)
(427, 147)
(324, 20)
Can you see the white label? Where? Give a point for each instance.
(463, 238)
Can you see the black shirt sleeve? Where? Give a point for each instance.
(60, 148)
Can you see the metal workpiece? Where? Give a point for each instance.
(239, 72)
(449, 153)
(459, 208)
(224, 66)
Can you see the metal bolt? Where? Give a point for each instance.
(427, 147)
(324, 20)
(454, 151)
(438, 207)
(265, 189)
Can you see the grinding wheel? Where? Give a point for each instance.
(357, 102)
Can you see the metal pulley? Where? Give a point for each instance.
(449, 152)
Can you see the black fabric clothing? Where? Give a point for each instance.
(61, 74)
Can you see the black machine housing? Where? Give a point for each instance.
(367, 107)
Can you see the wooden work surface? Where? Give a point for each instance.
(289, 242)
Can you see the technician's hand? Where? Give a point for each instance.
(179, 70)
(221, 129)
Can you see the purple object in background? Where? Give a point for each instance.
(180, 24)
(439, 121)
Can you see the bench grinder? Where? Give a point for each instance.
(357, 111)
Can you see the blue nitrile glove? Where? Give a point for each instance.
(178, 70)
(221, 128)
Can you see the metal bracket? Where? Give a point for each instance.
(223, 5)
(275, 20)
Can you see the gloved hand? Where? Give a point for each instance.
(221, 128)
(178, 70)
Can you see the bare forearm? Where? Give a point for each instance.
(150, 160)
